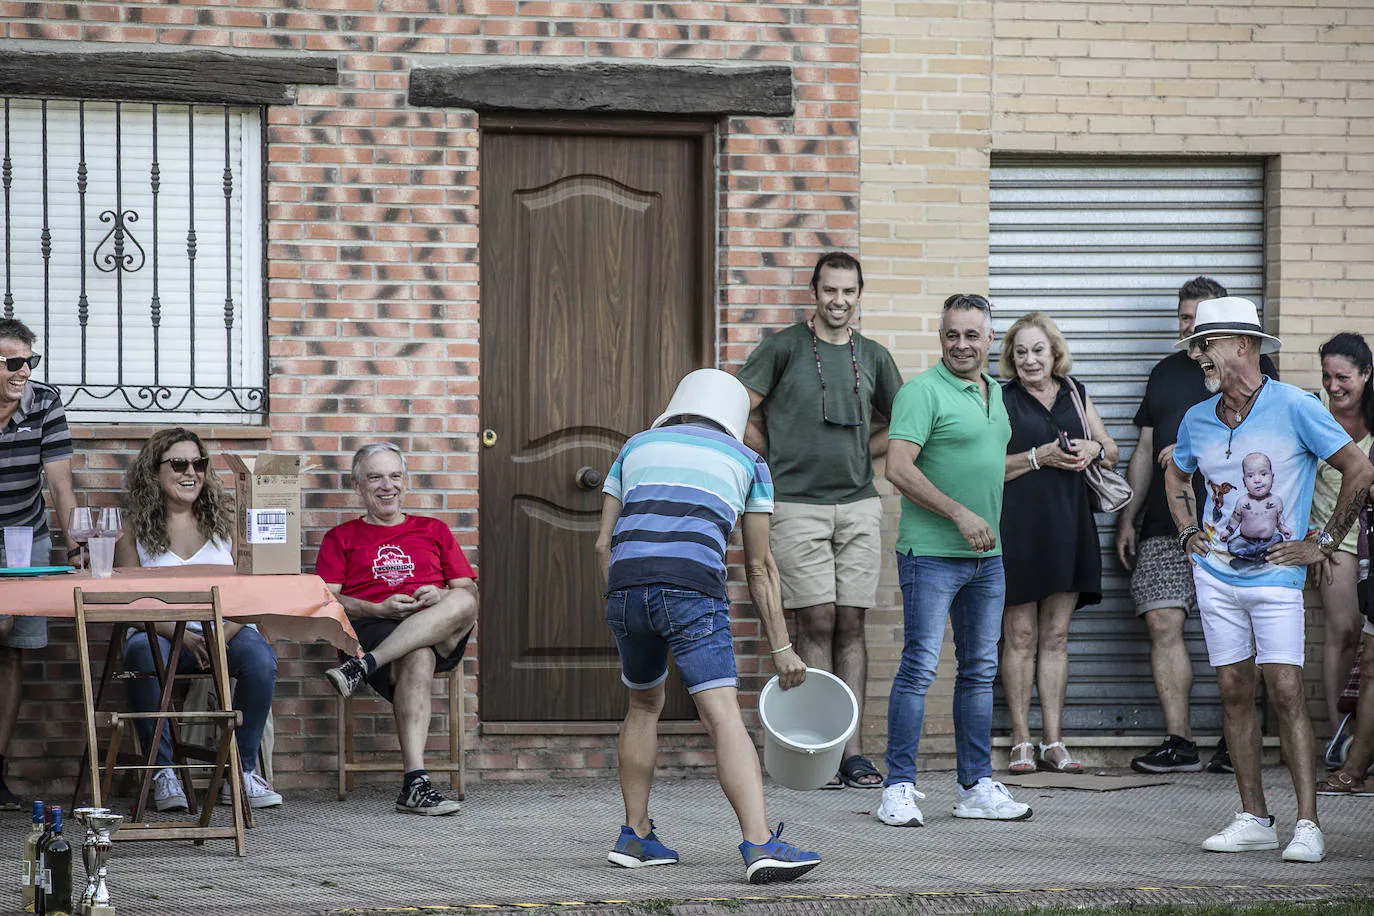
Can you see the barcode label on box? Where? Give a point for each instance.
(266, 526)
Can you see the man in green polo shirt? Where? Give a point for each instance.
(947, 457)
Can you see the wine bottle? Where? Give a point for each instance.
(57, 887)
(40, 864)
(31, 855)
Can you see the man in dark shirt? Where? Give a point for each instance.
(820, 395)
(34, 441)
(1161, 578)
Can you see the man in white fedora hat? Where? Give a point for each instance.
(672, 498)
(1257, 443)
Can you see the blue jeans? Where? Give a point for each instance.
(251, 660)
(969, 593)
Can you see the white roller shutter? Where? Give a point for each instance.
(1102, 246)
(119, 328)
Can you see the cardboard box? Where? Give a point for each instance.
(267, 533)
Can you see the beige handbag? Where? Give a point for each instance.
(1108, 491)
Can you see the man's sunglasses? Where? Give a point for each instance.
(1204, 344)
(968, 301)
(179, 465)
(15, 363)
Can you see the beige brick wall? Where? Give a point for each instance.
(945, 85)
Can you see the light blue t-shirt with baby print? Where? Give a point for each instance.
(1259, 479)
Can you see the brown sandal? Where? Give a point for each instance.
(1339, 783)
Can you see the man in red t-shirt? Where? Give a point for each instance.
(412, 599)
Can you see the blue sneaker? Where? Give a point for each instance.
(776, 860)
(634, 851)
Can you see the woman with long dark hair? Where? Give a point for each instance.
(177, 513)
(1348, 390)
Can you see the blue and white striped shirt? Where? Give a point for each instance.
(682, 489)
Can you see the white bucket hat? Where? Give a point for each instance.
(712, 394)
(1229, 315)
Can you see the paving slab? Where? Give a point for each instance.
(544, 845)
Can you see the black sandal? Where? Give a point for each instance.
(859, 767)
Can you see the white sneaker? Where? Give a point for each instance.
(1246, 833)
(899, 806)
(1308, 844)
(989, 800)
(167, 792)
(260, 794)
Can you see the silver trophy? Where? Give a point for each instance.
(88, 854)
(103, 823)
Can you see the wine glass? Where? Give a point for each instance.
(81, 526)
(111, 523)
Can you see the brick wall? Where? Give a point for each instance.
(374, 298)
(947, 84)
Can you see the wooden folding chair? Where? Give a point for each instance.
(455, 766)
(179, 608)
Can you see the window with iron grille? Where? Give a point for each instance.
(134, 250)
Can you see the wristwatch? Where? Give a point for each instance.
(1326, 542)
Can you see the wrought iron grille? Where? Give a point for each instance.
(133, 248)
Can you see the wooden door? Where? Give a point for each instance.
(595, 303)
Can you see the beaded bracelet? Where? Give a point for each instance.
(1185, 534)
(1034, 461)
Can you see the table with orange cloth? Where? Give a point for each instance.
(299, 608)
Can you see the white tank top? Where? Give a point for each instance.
(214, 552)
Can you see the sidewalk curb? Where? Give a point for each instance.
(931, 902)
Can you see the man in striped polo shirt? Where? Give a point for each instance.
(673, 497)
(33, 441)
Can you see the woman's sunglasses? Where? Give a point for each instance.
(179, 465)
(15, 363)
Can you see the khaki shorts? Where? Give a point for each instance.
(828, 554)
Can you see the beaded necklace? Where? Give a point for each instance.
(853, 359)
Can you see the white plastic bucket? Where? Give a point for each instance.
(805, 729)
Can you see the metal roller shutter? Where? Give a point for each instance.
(1102, 246)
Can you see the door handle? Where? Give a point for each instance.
(488, 438)
(588, 478)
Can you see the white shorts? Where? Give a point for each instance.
(1265, 621)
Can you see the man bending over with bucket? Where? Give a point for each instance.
(673, 496)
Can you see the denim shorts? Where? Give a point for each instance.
(650, 621)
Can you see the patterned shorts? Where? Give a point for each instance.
(1163, 577)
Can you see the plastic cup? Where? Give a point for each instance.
(102, 556)
(18, 547)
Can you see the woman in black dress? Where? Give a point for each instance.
(1049, 538)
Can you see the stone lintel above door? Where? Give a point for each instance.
(607, 88)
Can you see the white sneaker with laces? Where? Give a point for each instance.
(898, 808)
(260, 794)
(168, 794)
(1308, 844)
(989, 800)
(1246, 833)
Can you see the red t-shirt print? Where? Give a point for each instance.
(374, 562)
(392, 565)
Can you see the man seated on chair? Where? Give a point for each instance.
(412, 599)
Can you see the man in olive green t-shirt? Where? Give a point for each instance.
(947, 457)
(820, 395)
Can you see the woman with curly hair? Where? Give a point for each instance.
(177, 513)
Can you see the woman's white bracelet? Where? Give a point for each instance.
(780, 651)
(1034, 461)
